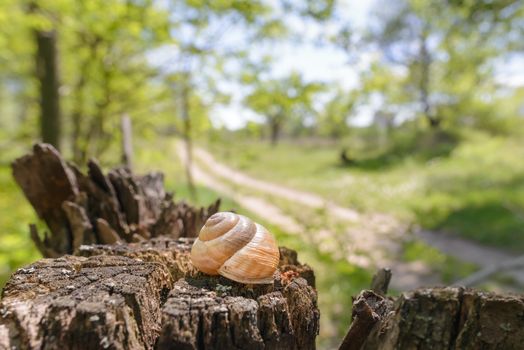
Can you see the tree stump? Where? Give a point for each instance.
(131, 284)
(436, 318)
(148, 295)
(91, 208)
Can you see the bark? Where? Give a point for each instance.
(437, 318)
(48, 77)
(148, 295)
(90, 208)
(100, 302)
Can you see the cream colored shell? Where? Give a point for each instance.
(235, 247)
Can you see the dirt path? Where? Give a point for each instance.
(374, 240)
(300, 197)
(272, 213)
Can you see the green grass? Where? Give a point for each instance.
(16, 248)
(449, 268)
(473, 187)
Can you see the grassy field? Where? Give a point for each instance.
(473, 187)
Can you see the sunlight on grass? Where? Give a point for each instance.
(474, 189)
(16, 248)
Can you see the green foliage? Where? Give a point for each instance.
(333, 120)
(284, 102)
(103, 68)
(16, 248)
(447, 61)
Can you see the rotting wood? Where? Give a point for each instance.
(123, 297)
(437, 318)
(98, 208)
(73, 302)
(133, 285)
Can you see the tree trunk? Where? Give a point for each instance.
(48, 77)
(275, 126)
(127, 141)
(425, 63)
(78, 116)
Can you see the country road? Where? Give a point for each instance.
(376, 239)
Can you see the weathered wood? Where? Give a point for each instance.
(437, 318)
(369, 309)
(47, 182)
(90, 208)
(380, 281)
(81, 227)
(123, 297)
(101, 302)
(119, 294)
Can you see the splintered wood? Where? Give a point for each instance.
(91, 208)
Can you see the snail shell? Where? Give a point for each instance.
(235, 247)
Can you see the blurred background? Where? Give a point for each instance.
(362, 133)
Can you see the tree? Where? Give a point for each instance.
(333, 120)
(100, 48)
(109, 74)
(281, 100)
(202, 49)
(404, 38)
(447, 58)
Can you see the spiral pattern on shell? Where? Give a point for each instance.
(235, 247)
